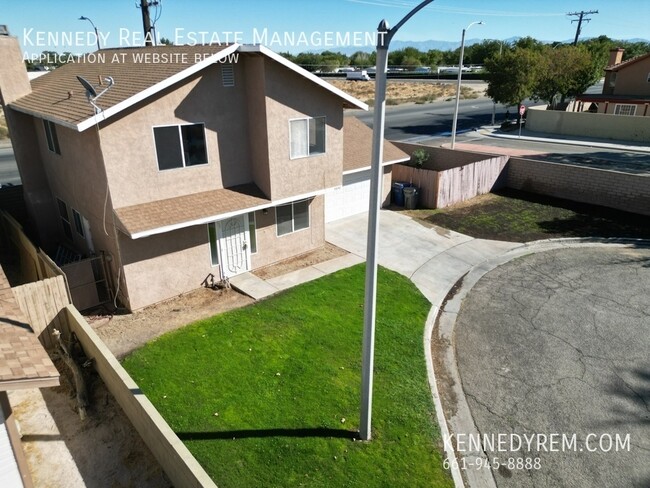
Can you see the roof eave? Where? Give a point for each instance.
(213, 218)
(385, 163)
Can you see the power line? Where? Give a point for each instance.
(580, 19)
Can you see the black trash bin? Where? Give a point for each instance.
(398, 192)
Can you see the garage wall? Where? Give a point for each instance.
(354, 196)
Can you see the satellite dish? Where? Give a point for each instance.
(91, 92)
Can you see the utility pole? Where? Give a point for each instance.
(580, 19)
(146, 21)
(384, 36)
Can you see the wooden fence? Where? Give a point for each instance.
(34, 263)
(425, 180)
(42, 302)
(177, 461)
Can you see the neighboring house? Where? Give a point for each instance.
(203, 160)
(24, 364)
(626, 90)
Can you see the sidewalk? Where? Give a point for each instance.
(527, 135)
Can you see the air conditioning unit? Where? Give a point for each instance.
(4, 31)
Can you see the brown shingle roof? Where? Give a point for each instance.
(137, 73)
(357, 147)
(133, 70)
(23, 361)
(141, 220)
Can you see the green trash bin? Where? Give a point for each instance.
(410, 198)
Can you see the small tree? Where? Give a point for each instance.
(512, 76)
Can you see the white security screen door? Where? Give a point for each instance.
(234, 245)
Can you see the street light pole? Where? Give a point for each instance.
(460, 74)
(96, 31)
(384, 36)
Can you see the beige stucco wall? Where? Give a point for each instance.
(129, 147)
(633, 79)
(13, 75)
(166, 265)
(272, 248)
(605, 126)
(290, 96)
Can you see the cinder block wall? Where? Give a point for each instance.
(622, 191)
(581, 124)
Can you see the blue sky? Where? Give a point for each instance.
(313, 24)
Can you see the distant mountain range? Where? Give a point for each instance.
(449, 45)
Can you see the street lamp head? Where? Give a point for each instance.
(83, 18)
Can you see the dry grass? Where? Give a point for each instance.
(398, 92)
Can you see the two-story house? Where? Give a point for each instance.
(626, 89)
(195, 160)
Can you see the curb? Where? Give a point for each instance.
(442, 321)
(600, 144)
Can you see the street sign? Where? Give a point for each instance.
(522, 109)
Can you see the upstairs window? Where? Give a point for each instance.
(292, 217)
(178, 146)
(51, 137)
(307, 137)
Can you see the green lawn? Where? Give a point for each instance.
(283, 375)
(517, 216)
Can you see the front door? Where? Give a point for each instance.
(234, 247)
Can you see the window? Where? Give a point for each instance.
(52, 138)
(227, 75)
(78, 224)
(252, 232)
(292, 217)
(65, 219)
(307, 137)
(178, 146)
(620, 109)
(212, 238)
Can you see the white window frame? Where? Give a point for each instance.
(216, 245)
(180, 138)
(78, 223)
(51, 135)
(66, 219)
(309, 155)
(620, 106)
(252, 231)
(293, 218)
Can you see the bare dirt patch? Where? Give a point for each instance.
(398, 92)
(125, 333)
(325, 253)
(63, 451)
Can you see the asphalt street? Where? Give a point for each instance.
(556, 344)
(8, 169)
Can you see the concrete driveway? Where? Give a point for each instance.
(556, 345)
(432, 258)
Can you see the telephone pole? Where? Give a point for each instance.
(146, 21)
(581, 18)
